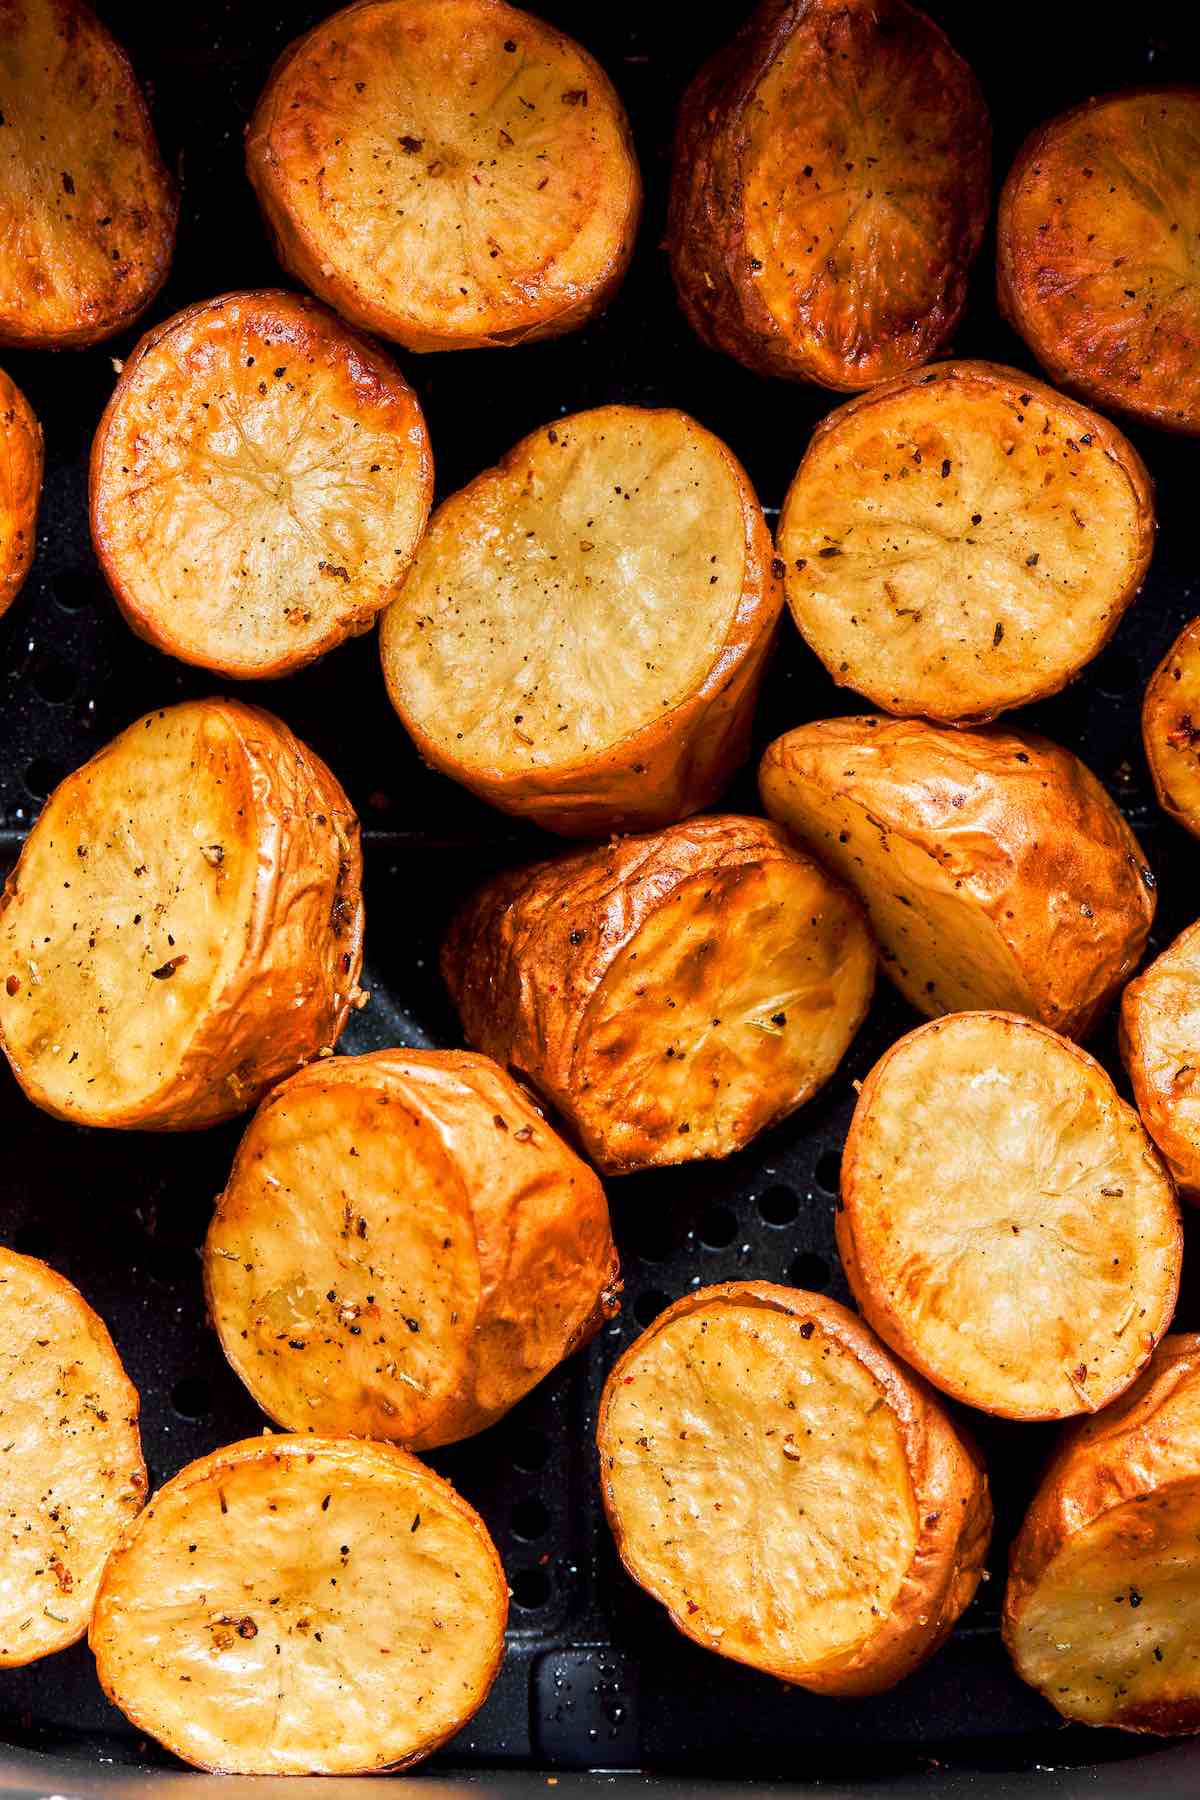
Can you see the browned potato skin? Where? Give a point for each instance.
(1150, 1006)
(1171, 729)
(716, 278)
(20, 488)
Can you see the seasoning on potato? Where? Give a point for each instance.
(795, 1498)
(73, 1469)
(404, 1249)
(830, 187)
(1102, 1612)
(1160, 1042)
(87, 210)
(995, 869)
(302, 1605)
(583, 634)
(184, 925)
(20, 488)
(671, 995)
(1098, 220)
(1171, 729)
(447, 173)
(963, 540)
(1005, 1222)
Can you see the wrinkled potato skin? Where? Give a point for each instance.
(1171, 729)
(1158, 1039)
(20, 488)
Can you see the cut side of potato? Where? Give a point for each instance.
(583, 632)
(1171, 729)
(73, 1469)
(184, 926)
(1005, 1223)
(790, 1493)
(672, 995)
(87, 210)
(1160, 1043)
(20, 488)
(996, 871)
(448, 173)
(963, 540)
(301, 1605)
(260, 480)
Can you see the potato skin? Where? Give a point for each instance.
(1158, 1039)
(1171, 729)
(20, 488)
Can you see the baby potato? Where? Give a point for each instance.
(184, 925)
(73, 1469)
(20, 488)
(1005, 1223)
(790, 1493)
(1102, 1612)
(302, 1605)
(447, 173)
(996, 871)
(1171, 729)
(963, 540)
(671, 995)
(1160, 1042)
(404, 1249)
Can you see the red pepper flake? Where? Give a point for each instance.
(13, 984)
(692, 1607)
(167, 969)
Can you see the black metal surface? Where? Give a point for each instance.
(595, 1677)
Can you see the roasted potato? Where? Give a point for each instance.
(1102, 1611)
(404, 1249)
(20, 488)
(1097, 223)
(1005, 1223)
(1160, 1042)
(1171, 729)
(184, 925)
(830, 188)
(87, 210)
(260, 481)
(73, 1469)
(795, 1498)
(995, 869)
(302, 1605)
(582, 636)
(963, 540)
(670, 995)
(448, 173)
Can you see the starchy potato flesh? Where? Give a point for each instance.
(260, 480)
(184, 925)
(995, 869)
(670, 995)
(297, 1605)
(787, 1491)
(404, 1248)
(583, 631)
(1160, 1042)
(20, 488)
(73, 1469)
(963, 540)
(1171, 729)
(1005, 1222)
(448, 173)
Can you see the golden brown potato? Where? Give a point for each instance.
(448, 173)
(302, 1605)
(1005, 1223)
(1171, 729)
(1102, 1611)
(20, 488)
(260, 481)
(1160, 1042)
(795, 1498)
(87, 210)
(670, 995)
(1095, 236)
(995, 869)
(184, 926)
(963, 540)
(73, 1469)
(830, 188)
(583, 633)
(404, 1249)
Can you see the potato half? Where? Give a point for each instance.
(830, 188)
(1171, 729)
(87, 210)
(404, 1249)
(963, 540)
(1095, 235)
(795, 1498)
(1160, 1042)
(670, 995)
(302, 1605)
(1005, 1222)
(20, 488)
(260, 481)
(448, 173)
(73, 1469)
(582, 636)
(1102, 1611)
(184, 926)
(995, 869)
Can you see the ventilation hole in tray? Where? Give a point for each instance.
(778, 1206)
(42, 776)
(529, 1520)
(829, 1171)
(55, 682)
(530, 1451)
(530, 1589)
(34, 1240)
(717, 1228)
(808, 1270)
(192, 1397)
(76, 588)
(653, 1241)
(649, 1303)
